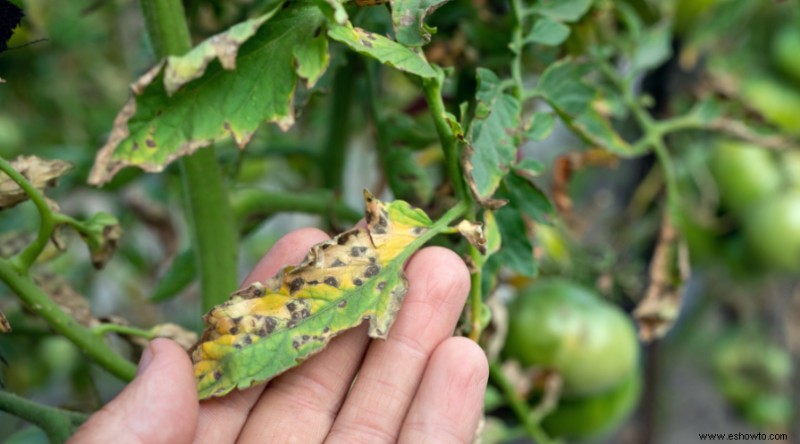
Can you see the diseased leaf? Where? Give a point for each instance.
(184, 338)
(669, 270)
(274, 325)
(493, 137)
(384, 50)
(407, 19)
(69, 300)
(547, 32)
(153, 128)
(473, 232)
(41, 173)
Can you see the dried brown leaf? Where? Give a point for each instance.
(41, 173)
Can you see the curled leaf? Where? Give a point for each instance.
(473, 232)
(41, 173)
(271, 326)
(669, 269)
(407, 19)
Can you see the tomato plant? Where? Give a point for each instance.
(620, 177)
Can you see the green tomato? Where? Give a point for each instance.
(745, 174)
(563, 326)
(595, 416)
(777, 101)
(785, 50)
(772, 230)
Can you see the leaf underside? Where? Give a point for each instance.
(192, 102)
(274, 325)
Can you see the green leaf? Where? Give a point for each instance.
(274, 325)
(407, 19)
(547, 32)
(517, 250)
(180, 274)
(563, 87)
(384, 50)
(653, 48)
(540, 126)
(528, 198)
(153, 128)
(493, 136)
(491, 233)
(334, 10)
(597, 130)
(530, 167)
(563, 10)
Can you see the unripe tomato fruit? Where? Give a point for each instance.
(563, 326)
(597, 415)
(745, 174)
(773, 231)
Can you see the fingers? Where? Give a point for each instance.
(301, 405)
(159, 406)
(221, 419)
(377, 404)
(449, 401)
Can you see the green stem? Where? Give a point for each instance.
(433, 95)
(517, 46)
(249, 201)
(338, 123)
(475, 295)
(38, 302)
(208, 209)
(517, 404)
(58, 424)
(23, 261)
(104, 329)
(438, 227)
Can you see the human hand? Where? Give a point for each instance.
(420, 385)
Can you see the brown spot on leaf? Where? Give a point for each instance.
(330, 280)
(381, 285)
(342, 304)
(296, 284)
(234, 330)
(291, 306)
(150, 143)
(295, 344)
(372, 271)
(357, 282)
(317, 31)
(337, 263)
(217, 375)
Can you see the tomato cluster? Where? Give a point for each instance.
(564, 327)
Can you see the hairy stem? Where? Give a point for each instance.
(433, 95)
(38, 302)
(208, 209)
(517, 404)
(58, 424)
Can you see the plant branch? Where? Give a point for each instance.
(208, 210)
(103, 329)
(249, 201)
(475, 296)
(433, 95)
(517, 404)
(23, 261)
(517, 46)
(333, 156)
(58, 424)
(37, 301)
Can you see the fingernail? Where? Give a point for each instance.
(145, 360)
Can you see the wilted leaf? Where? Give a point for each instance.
(183, 337)
(669, 270)
(41, 173)
(272, 326)
(153, 129)
(70, 301)
(407, 18)
(493, 137)
(473, 232)
(101, 234)
(13, 242)
(384, 50)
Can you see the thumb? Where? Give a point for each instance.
(159, 406)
